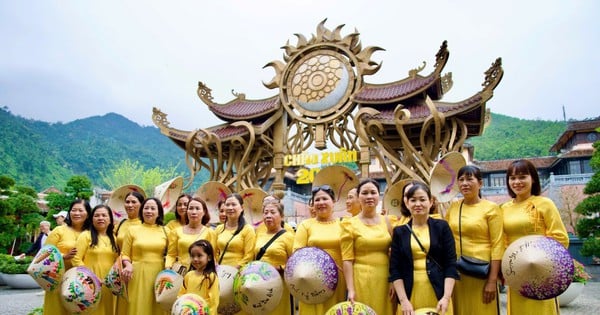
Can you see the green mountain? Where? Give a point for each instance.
(509, 138)
(41, 154)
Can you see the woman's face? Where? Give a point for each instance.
(222, 213)
(233, 209)
(150, 212)
(181, 207)
(132, 206)
(271, 217)
(78, 214)
(195, 212)
(368, 196)
(101, 220)
(323, 205)
(469, 186)
(404, 198)
(520, 184)
(419, 204)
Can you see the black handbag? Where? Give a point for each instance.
(470, 266)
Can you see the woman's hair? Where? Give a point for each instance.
(88, 210)
(161, 211)
(325, 188)
(279, 207)
(177, 216)
(137, 196)
(206, 217)
(109, 228)
(366, 181)
(241, 220)
(210, 271)
(403, 209)
(471, 170)
(524, 167)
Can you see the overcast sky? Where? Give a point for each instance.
(66, 60)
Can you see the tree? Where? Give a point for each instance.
(132, 172)
(6, 182)
(19, 216)
(589, 226)
(79, 186)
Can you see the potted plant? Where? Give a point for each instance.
(580, 277)
(14, 272)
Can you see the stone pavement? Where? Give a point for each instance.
(21, 302)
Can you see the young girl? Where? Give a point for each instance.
(202, 278)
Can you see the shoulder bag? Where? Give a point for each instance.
(470, 266)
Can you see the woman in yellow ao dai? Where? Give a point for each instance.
(278, 251)
(143, 253)
(322, 231)
(64, 237)
(530, 214)
(479, 223)
(181, 238)
(97, 250)
(235, 238)
(365, 246)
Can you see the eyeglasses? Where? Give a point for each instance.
(322, 187)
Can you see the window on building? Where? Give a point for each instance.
(575, 167)
(497, 180)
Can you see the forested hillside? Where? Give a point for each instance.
(508, 137)
(41, 154)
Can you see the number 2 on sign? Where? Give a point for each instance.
(306, 176)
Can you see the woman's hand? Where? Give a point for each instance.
(489, 292)
(351, 296)
(442, 306)
(406, 307)
(127, 272)
(70, 254)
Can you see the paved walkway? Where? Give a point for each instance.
(21, 302)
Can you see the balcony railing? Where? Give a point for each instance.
(552, 180)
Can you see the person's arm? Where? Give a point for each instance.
(444, 302)
(173, 238)
(249, 239)
(83, 243)
(555, 228)
(495, 223)
(301, 238)
(405, 304)
(126, 252)
(213, 294)
(347, 246)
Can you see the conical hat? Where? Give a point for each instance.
(168, 192)
(114, 281)
(349, 308)
(253, 201)
(47, 268)
(116, 202)
(80, 290)
(341, 179)
(538, 267)
(311, 275)
(392, 197)
(227, 304)
(166, 287)
(212, 192)
(190, 303)
(442, 179)
(258, 288)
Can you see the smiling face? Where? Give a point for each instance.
(101, 220)
(132, 206)
(150, 211)
(222, 213)
(181, 207)
(199, 257)
(520, 184)
(323, 206)
(233, 209)
(78, 214)
(419, 204)
(368, 196)
(352, 202)
(195, 212)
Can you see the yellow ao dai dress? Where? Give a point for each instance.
(206, 286)
(179, 244)
(120, 232)
(241, 248)
(99, 259)
(326, 236)
(534, 216)
(64, 238)
(144, 246)
(368, 247)
(276, 255)
(482, 237)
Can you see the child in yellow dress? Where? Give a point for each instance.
(202, 278)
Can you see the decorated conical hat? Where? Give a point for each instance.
(426, 311)
(166, 287)
(227, 304)
(116, 202)
(114, 281)
(80, 290)
(190, 303)
(538, 267)
(443, 180)
(168, 192)
(253, 201)
(257, 288)
(341, 179)
(213, 192)
(311, 275)
(392, 197)
(348, 308)
(47, 267)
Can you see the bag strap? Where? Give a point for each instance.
(166, 241)
(227, 245)
(459, 228)
(119, 227)
(421, 245)
(263, 249)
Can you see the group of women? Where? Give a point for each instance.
(395, 265)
